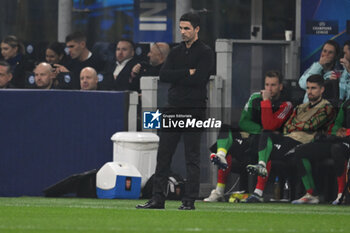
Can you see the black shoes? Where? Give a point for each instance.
(151, 204)
(187, 205)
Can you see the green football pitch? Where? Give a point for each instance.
(28, 214)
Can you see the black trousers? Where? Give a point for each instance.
(244, 151)
(281, 144)
(328, 147)
(169, 139)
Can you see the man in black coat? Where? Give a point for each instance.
(118, 73)
(187, 69)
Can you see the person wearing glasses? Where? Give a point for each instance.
(157, 55)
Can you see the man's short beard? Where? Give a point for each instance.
(44, 87)
(313, 99)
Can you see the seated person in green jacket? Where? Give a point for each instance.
(300, 128)
(266, 109)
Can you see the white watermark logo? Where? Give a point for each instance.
(157, 120)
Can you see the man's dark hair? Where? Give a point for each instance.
(316, 78)
(274, 74)
(193, 18)
(7, 65)
(129, 41)
(336, 46)
(76, 36)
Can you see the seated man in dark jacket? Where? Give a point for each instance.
(118, 72)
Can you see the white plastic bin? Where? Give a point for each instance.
(138, 149)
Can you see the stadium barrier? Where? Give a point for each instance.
(48, 135)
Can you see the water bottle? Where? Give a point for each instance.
(276, 189)
(286, 191)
